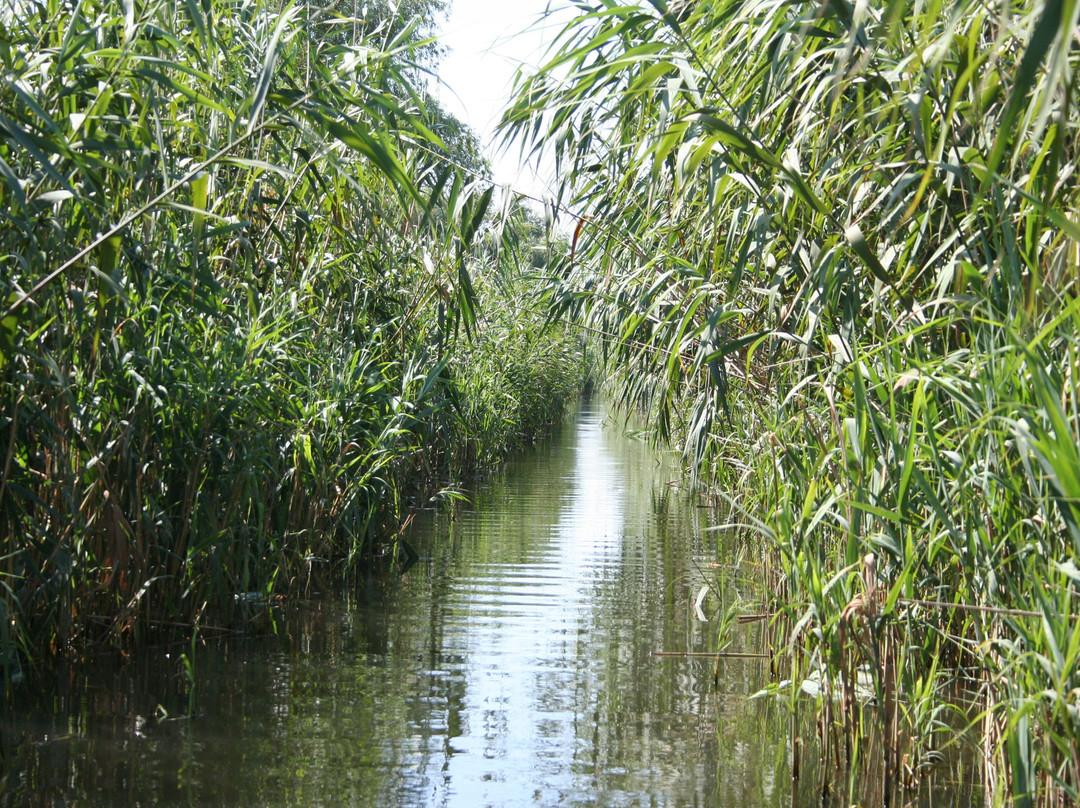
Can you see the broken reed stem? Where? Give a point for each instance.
(932, 604)
(711, 655)
(970, 607)
(105, 619)
(753, 618)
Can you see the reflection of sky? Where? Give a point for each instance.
(572, 568)
(530, 689)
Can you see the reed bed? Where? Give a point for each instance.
(832, 249)
(253, 300)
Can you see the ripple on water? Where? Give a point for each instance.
(513, 668)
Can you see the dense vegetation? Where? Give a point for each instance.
(832, 248)
(254, 298)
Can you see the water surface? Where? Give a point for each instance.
(512, 666)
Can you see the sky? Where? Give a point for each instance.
(488, 40)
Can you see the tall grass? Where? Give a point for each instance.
(832, 249)
(238, 295)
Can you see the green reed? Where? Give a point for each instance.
(832, 250)
(239, 301)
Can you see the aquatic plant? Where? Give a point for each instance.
(832, 250)
(238, 292)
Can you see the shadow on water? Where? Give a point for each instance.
(512, 665)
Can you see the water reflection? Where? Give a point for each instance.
(557, 587)
(512, 667)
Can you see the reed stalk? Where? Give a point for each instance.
(832, 249)
(252, 304)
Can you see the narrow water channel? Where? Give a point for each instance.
(512, 666)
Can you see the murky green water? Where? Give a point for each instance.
(512, 666)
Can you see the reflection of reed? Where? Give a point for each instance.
(526, 632)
